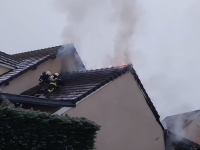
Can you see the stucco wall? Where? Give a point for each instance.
(3, 70)
(192, 131)
(127, 121)
(30, 78)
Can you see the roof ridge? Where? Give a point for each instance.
(9, 60)
(182, 113)
(128, 66)
(10, 56)
(35, 50)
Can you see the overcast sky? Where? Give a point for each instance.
(164, 41)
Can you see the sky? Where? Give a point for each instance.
(160, 38)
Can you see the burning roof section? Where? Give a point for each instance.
(8, 60)
(178, 122)
(78, 85)
(28, 60)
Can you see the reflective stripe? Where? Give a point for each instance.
(53, 83)
(50, 90)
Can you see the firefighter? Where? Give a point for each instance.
(54, 82)
(43, 83)
(44, 78)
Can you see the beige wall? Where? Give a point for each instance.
(3, 70)
(192, 131)
(30, 78)
(127, 121)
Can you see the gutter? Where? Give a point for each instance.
(38, 101)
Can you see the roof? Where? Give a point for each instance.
(8, 60)
(28, 60)
(36, 53)
(178, 122)
(78, 85)
(173, 139)
(35, 100)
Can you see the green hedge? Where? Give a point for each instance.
(34, 130)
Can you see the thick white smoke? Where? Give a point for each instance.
(104, 29)
(125, 16)
(184, 125)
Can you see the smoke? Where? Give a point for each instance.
(70, 59)
(184, 125)
(102, 30)
(126, 16)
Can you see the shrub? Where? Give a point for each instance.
(35, 130)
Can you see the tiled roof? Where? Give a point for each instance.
(36, 53)
(178, 122)
(78, 85)
(29, 61)
(174, 139)
(8, 60)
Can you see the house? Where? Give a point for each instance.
(112, 97)
(186, 125)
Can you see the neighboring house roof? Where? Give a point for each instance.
(8, 60)
(178, 122)
(173, 139)
(29, 60)
(78, 85)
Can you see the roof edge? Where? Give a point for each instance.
(34, 50)
(146, 96)
(35, 100)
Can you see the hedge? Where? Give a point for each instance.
(35, 130)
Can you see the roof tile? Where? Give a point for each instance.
(36, 53)
(9, 60)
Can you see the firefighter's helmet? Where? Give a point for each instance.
(57, 74)
(48, 73)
